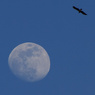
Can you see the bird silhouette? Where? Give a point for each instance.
(80, 10)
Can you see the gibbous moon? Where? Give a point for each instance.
(29, 61)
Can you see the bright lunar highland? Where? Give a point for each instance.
(29, 61)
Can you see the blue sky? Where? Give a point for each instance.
(67, 36)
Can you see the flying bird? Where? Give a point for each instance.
(80, 10)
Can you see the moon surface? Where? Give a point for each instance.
(29, 62)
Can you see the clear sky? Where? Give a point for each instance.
(67, 36)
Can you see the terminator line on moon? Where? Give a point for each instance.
(29, 62)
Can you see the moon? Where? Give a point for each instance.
(29, 62)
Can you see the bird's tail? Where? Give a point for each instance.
(80, 10)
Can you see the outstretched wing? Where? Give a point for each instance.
(83, 12)
(75, 8)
